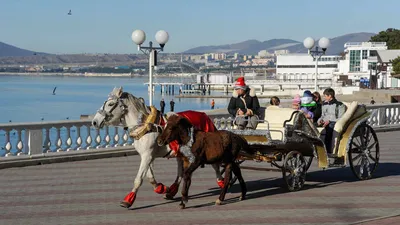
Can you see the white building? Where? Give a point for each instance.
(264, 53)
(281, 52)
(360, 57)
(386, 78)
(302, 66)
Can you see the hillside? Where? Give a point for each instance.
(254, 46)
(10, 50)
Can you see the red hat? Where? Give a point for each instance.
(240, 84)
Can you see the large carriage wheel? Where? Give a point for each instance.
(363, 152)
(294, 170)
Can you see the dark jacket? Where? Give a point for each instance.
(237, 103)
(162, 104)
(317, 112)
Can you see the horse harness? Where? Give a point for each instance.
(153, 123)
(108, 115)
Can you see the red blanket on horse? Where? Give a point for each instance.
(199, 120)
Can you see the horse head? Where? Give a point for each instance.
(120, 107)
(177, 128)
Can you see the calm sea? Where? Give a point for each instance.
(29, 98)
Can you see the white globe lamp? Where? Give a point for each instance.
(162, 37)
(324, 43)
(309, 43)
(138, 36)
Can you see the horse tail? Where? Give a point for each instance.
(245, 145)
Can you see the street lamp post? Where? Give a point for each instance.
(138, 37)
(316, 54)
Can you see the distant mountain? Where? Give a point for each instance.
(254, 46)
(245, 47)
(9, 50)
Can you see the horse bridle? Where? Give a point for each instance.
(108, 115)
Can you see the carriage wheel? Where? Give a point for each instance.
(363, 153)
(294, 170)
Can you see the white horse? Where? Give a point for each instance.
(124, 108)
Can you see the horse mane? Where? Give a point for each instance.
(138, 103)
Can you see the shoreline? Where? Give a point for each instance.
(229, 96)
(85, 75)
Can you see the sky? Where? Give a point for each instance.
(105, 26)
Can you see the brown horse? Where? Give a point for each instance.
(207, 148)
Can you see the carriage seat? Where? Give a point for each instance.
(276, 117)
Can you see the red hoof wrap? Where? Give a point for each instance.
(130, 198)
(173, 189)
(220, 183)
(160, 189)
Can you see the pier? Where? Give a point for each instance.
(261, 86)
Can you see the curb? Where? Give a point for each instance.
(48, 158)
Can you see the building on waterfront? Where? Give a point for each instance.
(281, 52)
(359, 60)
(264, 54)
(301, 66)
(386, 77)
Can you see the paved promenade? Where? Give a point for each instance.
(89, 192)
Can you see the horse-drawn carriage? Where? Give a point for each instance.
(287, 136)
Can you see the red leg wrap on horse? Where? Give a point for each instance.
(130, 198)
(160, 189)
(220, 183)
(173, 189)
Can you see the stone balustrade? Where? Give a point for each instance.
(27, 139)
(61, 136)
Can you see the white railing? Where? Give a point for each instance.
(61, 136)
(27, 139)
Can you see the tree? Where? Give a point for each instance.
(396, 65)
(391, 36)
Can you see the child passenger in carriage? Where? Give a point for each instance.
(308, 105)
(332, 110)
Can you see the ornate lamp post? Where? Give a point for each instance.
(316, 54)
(138, 37)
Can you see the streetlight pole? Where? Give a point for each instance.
(316, 54)
(138, 37)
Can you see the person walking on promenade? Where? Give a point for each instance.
(372, 101)
(172, 104)
(212, 104)
(162, 106)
